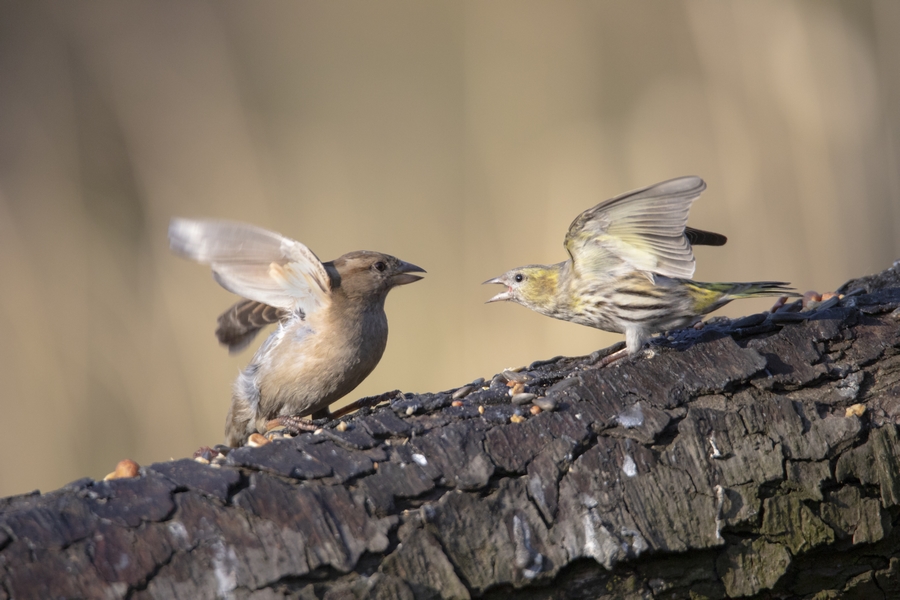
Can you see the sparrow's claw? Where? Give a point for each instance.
(291, 424)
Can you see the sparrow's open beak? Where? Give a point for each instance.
(502, 295)
(405, 275)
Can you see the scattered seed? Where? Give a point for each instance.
(456, 403)
(205, 452)
(825, 304)
(463, 391)
(543, 403)
(535, 410)
(480, 410)
(811, 296)
(516, 376)
(523, 398)
(126, 469)
(517, 419)
(516, 388)
(410, 410)
(201, 460)
(256, 440)
(829, 296)
(342, 426)
(857, 410)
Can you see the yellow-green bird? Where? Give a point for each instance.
(629, 268)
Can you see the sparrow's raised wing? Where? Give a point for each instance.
(255, 263)
(644, 230)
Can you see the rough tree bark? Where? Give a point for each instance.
(753, 458)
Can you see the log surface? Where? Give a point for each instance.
(755, 457)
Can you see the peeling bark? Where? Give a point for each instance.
(756, 457)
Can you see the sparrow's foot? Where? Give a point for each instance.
(294, 425)
(291, 424)
(367, 402)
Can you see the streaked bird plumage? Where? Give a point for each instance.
(629, 268)
(332, 328)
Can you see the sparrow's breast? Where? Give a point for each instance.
(311, 364)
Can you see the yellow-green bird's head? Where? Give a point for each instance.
(532, 286)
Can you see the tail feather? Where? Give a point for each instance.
(710, 296)
(760, 288)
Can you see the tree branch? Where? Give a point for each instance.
(753, 458)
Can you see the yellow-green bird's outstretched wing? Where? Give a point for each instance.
(644, 230)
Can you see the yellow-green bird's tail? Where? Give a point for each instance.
(708, 297)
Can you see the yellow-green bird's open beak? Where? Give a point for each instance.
(502, 295)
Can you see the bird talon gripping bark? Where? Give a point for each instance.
(611, 358)
(331, 326)
(291, 424)
(630, 260)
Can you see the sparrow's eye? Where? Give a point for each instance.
(519, 277)
(380, 266)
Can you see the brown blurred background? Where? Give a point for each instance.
(461, 136)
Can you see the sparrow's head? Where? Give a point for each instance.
(533, 286)
(364, 273)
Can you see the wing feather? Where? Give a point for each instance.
(254, 263)
(643, 230)
(237, 326)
